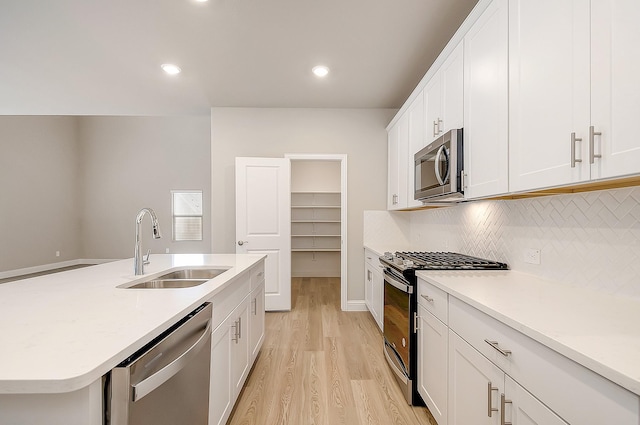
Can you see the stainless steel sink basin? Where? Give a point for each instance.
(205, 274)
(168, 283)
(185, 278)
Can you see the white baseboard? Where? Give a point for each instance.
(315, 274)
(52, 266)
(357, 305)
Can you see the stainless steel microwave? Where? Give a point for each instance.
(439, 169)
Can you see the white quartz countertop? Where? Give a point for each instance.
(597, 330)
(62, 331)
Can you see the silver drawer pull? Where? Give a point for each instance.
(428, 298)
(495, 345)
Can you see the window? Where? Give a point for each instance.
(186, 208)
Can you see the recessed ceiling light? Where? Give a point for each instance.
(170, 68)
(320, 71)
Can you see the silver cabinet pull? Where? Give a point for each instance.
(435, 128)
(428, 298)
(504, 401)
(592, 135)
(574, 139)
(495, 345)
(239, 327)
(439, 122)
(490, 408)
(236, 332)
(254, 307)
(415, 322)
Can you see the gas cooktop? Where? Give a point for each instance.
(438, 261)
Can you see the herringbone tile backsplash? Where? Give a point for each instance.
(588, 239)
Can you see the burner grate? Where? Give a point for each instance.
(449, 261)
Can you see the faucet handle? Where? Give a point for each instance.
(146, 259)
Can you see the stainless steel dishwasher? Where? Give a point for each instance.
(167, 381)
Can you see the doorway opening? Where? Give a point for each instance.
(319, 217)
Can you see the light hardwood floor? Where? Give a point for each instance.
(320, 365)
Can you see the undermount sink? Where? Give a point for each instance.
(185, 278)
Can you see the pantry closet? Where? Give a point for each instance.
(316, 225)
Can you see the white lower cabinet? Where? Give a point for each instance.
(433, 336)
(257, 320)
(474, 369)
(475, 385)
(374, 287)
(235, 342)
(481, 393)
(220, 389)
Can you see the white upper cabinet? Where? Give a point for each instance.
(397, 167)
(486, 96)
(443, 96)
(416, 142)
(574, 93)
(549, 92)
(615, 87)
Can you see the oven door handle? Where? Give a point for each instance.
(397, 284)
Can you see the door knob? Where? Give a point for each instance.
(242, 242)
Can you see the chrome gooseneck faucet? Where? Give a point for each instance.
(138, 262)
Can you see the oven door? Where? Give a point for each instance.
(397, 298)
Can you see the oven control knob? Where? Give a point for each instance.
(408, 263)
(404, 342)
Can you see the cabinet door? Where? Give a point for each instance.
(475, 385)
(433, 107)
(549, 92)
(368, 289)
(397, 169)
(256, 327)
(522, 408)
(240, 335)
(615, 67)
(452, 75)
(432, 364)
(377, 300)
(221, 398)
(416, 142)
(486, 83)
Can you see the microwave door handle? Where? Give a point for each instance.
(436, 165)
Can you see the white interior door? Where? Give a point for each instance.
(263, 222)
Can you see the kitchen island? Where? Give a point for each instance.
(62, 332)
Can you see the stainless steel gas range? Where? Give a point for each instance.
(400, 307)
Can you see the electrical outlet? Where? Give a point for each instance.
(166, 251)
(532, 256)
(57, 253)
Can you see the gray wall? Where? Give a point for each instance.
(129, 163)
(39, 191)
(267, 132)
(75, 184)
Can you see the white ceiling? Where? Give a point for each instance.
(102, 57)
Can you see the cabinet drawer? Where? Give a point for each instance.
(434, 300)
(574, 392)
(229, 298)
(371, 258)
(257, 275)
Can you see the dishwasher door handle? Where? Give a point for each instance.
(149, 384)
